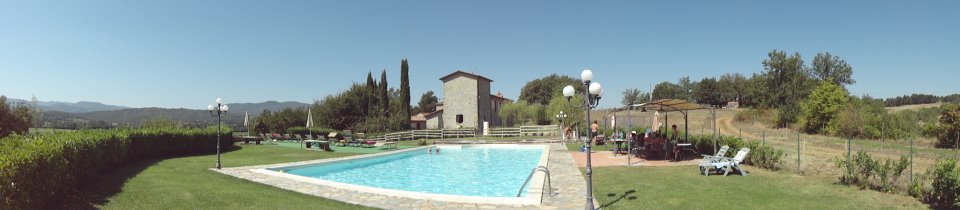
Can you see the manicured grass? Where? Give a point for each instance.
(682, 187)
(187, 183)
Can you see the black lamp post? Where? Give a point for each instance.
(591, 100)
(221, 109)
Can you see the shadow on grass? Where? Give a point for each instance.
(618, 199)
(110, 183)
(96, 192)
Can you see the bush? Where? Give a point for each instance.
(762, 156)
(867, 172)
(945, 188)
(39, 171)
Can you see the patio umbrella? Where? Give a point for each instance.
(246, 119)
(656, 119)
(310, 121)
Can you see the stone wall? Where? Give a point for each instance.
(460, 98)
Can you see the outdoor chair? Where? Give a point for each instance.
(727, 164)
(714, 158)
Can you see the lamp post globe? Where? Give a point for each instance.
(568, 91)
(586, 75)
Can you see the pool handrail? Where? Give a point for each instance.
(539, 168)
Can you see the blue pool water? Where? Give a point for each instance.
(489, 171)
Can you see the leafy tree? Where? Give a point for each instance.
(404, 88)
(667, 90)
(733, 86)
(822, 106)
(686, 88)
(787, 83)
(560, 103)
(540, 91)
(632, 96)
(707, 91)
(949, 126)
(523, 113)
(832, 69)
(17, 120)
(428, 102)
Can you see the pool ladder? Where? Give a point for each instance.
(539, 168)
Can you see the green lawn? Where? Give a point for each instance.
(682, 187)
(186, 183)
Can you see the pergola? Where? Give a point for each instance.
(677, 105)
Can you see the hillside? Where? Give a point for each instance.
(135, 116)
(914, 106)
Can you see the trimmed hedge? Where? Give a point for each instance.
(37, 172)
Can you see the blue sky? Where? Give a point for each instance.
(187, 53)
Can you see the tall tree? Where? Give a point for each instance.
(540, 91)
(428, 102)
(633, 96)
(707, 91)
(667, 90)
(787, 83)
(372, 93)
(384, 96)
(687, 87)
(17, 120)
(405, 88)
(831, 68)
(822, 106)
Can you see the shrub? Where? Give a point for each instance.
(945, 186)
(37, 172)
(867, 172)
(760, 155)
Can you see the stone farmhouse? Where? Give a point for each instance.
(466, 103)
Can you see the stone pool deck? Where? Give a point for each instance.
(567, 182)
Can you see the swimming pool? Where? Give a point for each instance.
(461, 170)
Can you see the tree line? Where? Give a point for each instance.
(785, 81)
(920, 99)
(371, 107)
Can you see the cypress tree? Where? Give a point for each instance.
(370, 98)
(384, 99)
(405, 91)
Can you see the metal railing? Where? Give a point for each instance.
(539, 168)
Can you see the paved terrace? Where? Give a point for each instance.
(567, 181)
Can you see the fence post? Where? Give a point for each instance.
(848, 149)
(763, 138)
(798, 153)
(911, 159)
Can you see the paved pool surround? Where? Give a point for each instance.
(567, 181)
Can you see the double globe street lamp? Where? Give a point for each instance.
(221, 110)
(590, 100)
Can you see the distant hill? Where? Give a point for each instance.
(256, 108)
(136, 116)
(68, 107)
